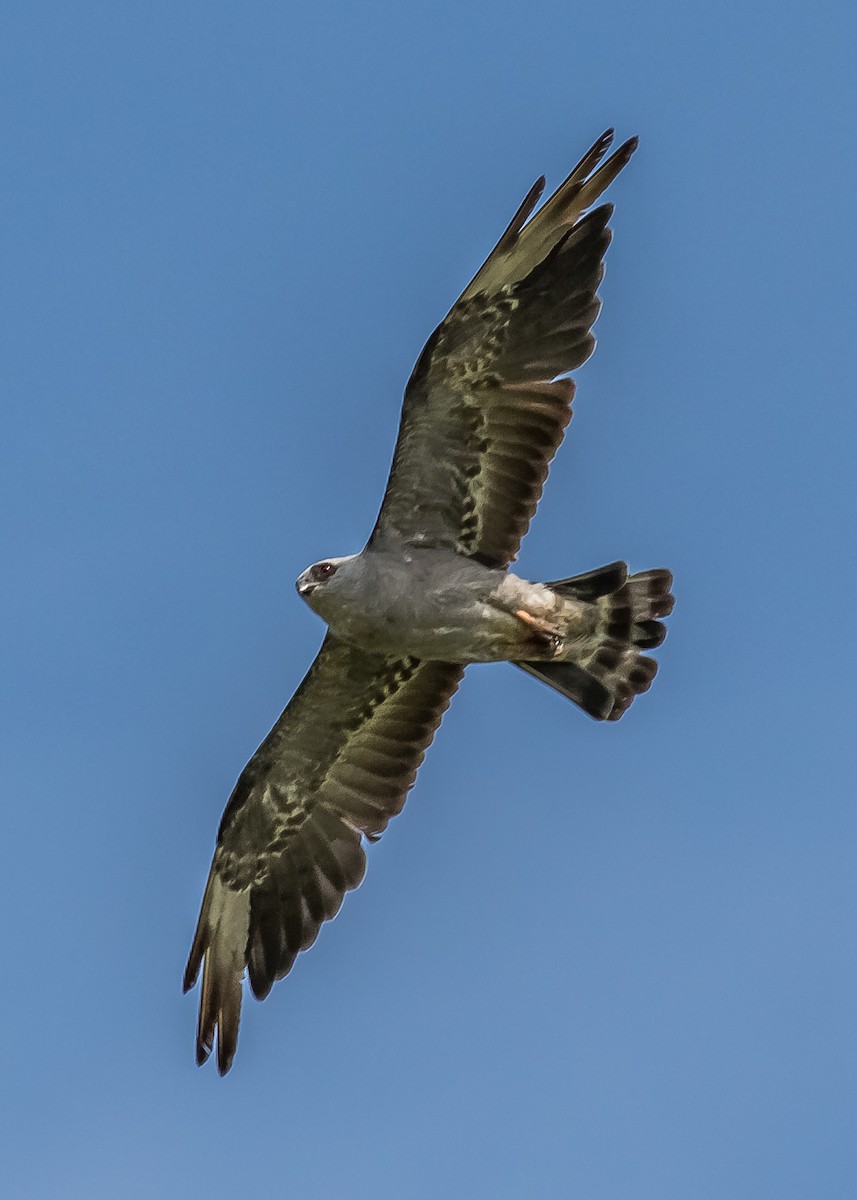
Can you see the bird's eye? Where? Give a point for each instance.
(323, 570)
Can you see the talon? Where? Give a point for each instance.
(543, 629)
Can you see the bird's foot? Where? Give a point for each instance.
(546, 633)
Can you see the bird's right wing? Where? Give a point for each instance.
(335, 767)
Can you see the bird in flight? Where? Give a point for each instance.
(484, 412)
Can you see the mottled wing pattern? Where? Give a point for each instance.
(484, 411)
(336, 766)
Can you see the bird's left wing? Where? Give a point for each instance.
(335, 767)
(484, 411)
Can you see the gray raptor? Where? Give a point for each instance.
(484, 412)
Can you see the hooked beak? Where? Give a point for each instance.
(305, 586)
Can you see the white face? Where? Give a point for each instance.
(314, 578)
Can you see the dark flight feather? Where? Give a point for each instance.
(484, 411)
(336, 766)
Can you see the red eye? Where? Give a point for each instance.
(323, 570)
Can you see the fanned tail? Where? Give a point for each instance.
(610, 670)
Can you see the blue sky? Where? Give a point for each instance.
(600, 962)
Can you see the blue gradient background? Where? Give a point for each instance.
(588, 961)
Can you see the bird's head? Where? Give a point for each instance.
(319, 583)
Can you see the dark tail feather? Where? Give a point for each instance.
(611, 672)
(575, 684)
(592, 584)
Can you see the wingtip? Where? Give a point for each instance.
(225, 1056)
(226, 1037)
(534, 195)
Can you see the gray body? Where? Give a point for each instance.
(435, 604)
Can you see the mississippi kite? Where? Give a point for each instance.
(484, 412)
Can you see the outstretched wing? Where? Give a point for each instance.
(336, 766)
(484, 411)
